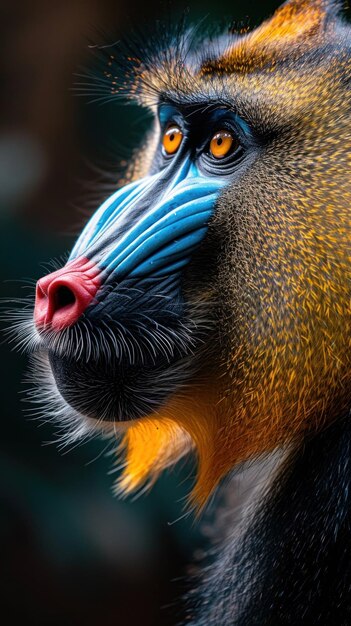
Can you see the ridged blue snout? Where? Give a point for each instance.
(151, 227)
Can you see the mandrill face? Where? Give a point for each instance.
(119, 330)
(208, 302)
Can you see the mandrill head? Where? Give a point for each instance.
(207, 304)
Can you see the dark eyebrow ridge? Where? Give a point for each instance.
(195, 102)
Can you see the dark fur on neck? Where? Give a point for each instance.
(293, 565)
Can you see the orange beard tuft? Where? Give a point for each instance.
(151, 444)
(227, 429)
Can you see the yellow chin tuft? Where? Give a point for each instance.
(160, 440)
(151, 444)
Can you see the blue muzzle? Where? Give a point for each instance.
(151, 227)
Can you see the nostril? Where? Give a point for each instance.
(63, 296)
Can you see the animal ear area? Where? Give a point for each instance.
(151, 445)
(296, 26)
(296, 20)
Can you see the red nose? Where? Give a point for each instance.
(62, 297)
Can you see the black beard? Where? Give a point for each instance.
(115, 390)
(138, 343)
(127, 353)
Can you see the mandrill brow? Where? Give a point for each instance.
(206, 305)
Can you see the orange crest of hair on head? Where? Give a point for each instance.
(296, 23)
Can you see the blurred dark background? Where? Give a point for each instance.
(71, 553)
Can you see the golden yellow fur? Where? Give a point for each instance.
(283, 295)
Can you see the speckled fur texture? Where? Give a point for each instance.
(286, 289)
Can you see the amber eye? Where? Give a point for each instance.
(221, 144)
(172, 139)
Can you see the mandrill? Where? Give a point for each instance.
(206, 305)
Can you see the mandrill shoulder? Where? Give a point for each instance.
(293, 564)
